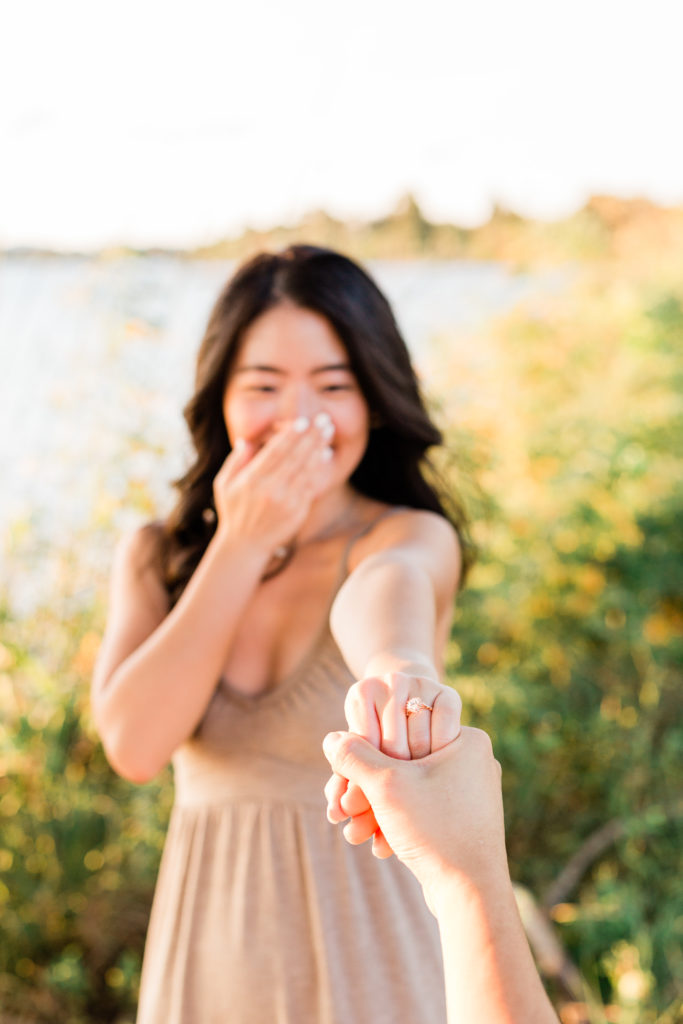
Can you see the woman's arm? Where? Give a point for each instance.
(443, 816)
(157, 669)
(387, 619)
(398, 599)
(390, 620)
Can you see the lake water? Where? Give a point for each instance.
(97, 362)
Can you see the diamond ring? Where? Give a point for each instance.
(414, 704)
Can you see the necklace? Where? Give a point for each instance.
(284, 553)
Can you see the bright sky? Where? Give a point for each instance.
(159, 122)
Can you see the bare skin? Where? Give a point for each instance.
(443, 816)
(287, 477)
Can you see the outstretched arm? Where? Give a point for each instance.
(443, 816)
(391, 619)
(393, 612)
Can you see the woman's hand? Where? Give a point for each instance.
(263, 495)
(376, 710)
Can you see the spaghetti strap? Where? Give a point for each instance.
(344, 566)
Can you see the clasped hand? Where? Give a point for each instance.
(375, 709)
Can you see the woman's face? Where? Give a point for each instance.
(291, 363)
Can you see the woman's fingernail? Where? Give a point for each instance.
(323, 421)
(301, 423)
(326, 454)
(239, 444)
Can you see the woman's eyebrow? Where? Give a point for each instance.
(332, 366)
(262, 368)
(259, 367)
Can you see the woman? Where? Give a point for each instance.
(306, 550)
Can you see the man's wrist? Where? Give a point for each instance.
(486, 886)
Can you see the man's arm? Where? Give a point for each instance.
(443, 817)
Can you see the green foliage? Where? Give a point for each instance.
(606, 228)
(566, 647)
(79, 847)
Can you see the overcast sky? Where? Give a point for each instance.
(152, 122)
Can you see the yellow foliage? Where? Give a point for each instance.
(541, 606)
(45, 843)
(555, 657)
(544, 468)
(660, 627)
(84, 660)
(604, 547)
(488, 654)
(114, 977)
(633, 983)
(567, 540)
(579, 604)
(94, 860)
(564, 913)
(486, 576)
(628, 718)
(476, 693)
(9, 805)
(7, 697)
(591, 580)
(649, 694)
(74, 772)
(7, 659)
(454, 653)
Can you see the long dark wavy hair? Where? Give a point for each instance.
(394, 468)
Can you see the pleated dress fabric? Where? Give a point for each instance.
(263, 913)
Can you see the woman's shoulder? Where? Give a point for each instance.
(140, 547)
(138, 559)
(137, 581)
(425, 535)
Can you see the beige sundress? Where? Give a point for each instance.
(263, 913)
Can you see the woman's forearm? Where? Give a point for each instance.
(383, 618)
(401, 659)
(154, 699)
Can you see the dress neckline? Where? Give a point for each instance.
(323, 633)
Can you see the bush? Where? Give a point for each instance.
(566, 647)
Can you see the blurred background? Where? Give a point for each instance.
(512, 175)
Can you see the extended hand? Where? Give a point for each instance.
(376, 710)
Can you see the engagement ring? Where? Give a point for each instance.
(414, 704)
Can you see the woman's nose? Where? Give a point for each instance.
(299, 402)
